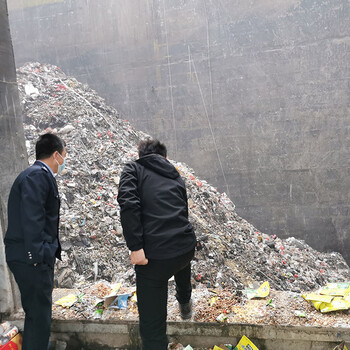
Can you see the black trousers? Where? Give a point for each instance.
(35, 284)
(152, 296)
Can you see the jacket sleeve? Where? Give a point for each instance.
(34, 191)
(130, 208)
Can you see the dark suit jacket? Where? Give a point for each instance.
(33, 217)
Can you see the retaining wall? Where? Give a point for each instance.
(86, 335)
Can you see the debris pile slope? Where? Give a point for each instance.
(234, 253)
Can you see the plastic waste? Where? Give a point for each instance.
(332, 297)
(221, 318)
(110, 298)
(270, 303)
(14, 343)
(188, 347)
(299, 313)
(67, 301)
(336, 289)
(341, 346)
(121, 302)
(245, 344)
(7, 332)
(262, 292)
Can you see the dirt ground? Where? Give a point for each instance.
(278, 308)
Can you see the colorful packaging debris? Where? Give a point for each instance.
(14, 344)
(262, 292)
(67, 301)
(245, 344)
(9, 337)
(332, 297)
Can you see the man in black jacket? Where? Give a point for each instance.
(31, 240)
(154, 216)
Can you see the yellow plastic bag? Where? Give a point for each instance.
(332, 297)
(317, 297)
(336, 289)
(338, 303)
(245, 344)
(262, 292)
(67, 301)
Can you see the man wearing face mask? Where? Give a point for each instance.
(31, 240)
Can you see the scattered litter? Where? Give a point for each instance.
(30, 90)
(332, 297)
(341, 346)
(336, 289)
(67, 301)
(221, 318)
(262, 292)
(223, 347)
(299, 313)
(188, 347)
(121, 302)
(9, 337)
(110, 298)
(98, 313)
(245, 344)
(270, 303)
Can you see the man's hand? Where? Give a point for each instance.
(138, 257)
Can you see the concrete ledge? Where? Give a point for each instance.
(121, 334)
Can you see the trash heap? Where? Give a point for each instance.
(233, 253)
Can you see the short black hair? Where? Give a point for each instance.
(151, 146)
(47, 144)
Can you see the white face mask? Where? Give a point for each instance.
(61, 166)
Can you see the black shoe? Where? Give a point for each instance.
(186, 310)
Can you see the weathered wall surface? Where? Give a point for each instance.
(13, 155)
(254, 95)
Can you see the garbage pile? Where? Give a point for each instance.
(233, 254)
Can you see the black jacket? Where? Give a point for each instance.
(153, 208)
(33, 217)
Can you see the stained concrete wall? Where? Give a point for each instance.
(254, 95)
(13, 155)
(106, 335)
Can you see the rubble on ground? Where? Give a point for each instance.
(278, 308)
(234, 253)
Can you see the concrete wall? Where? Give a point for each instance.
(254, 95)
(106, 335)
(13, 155)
